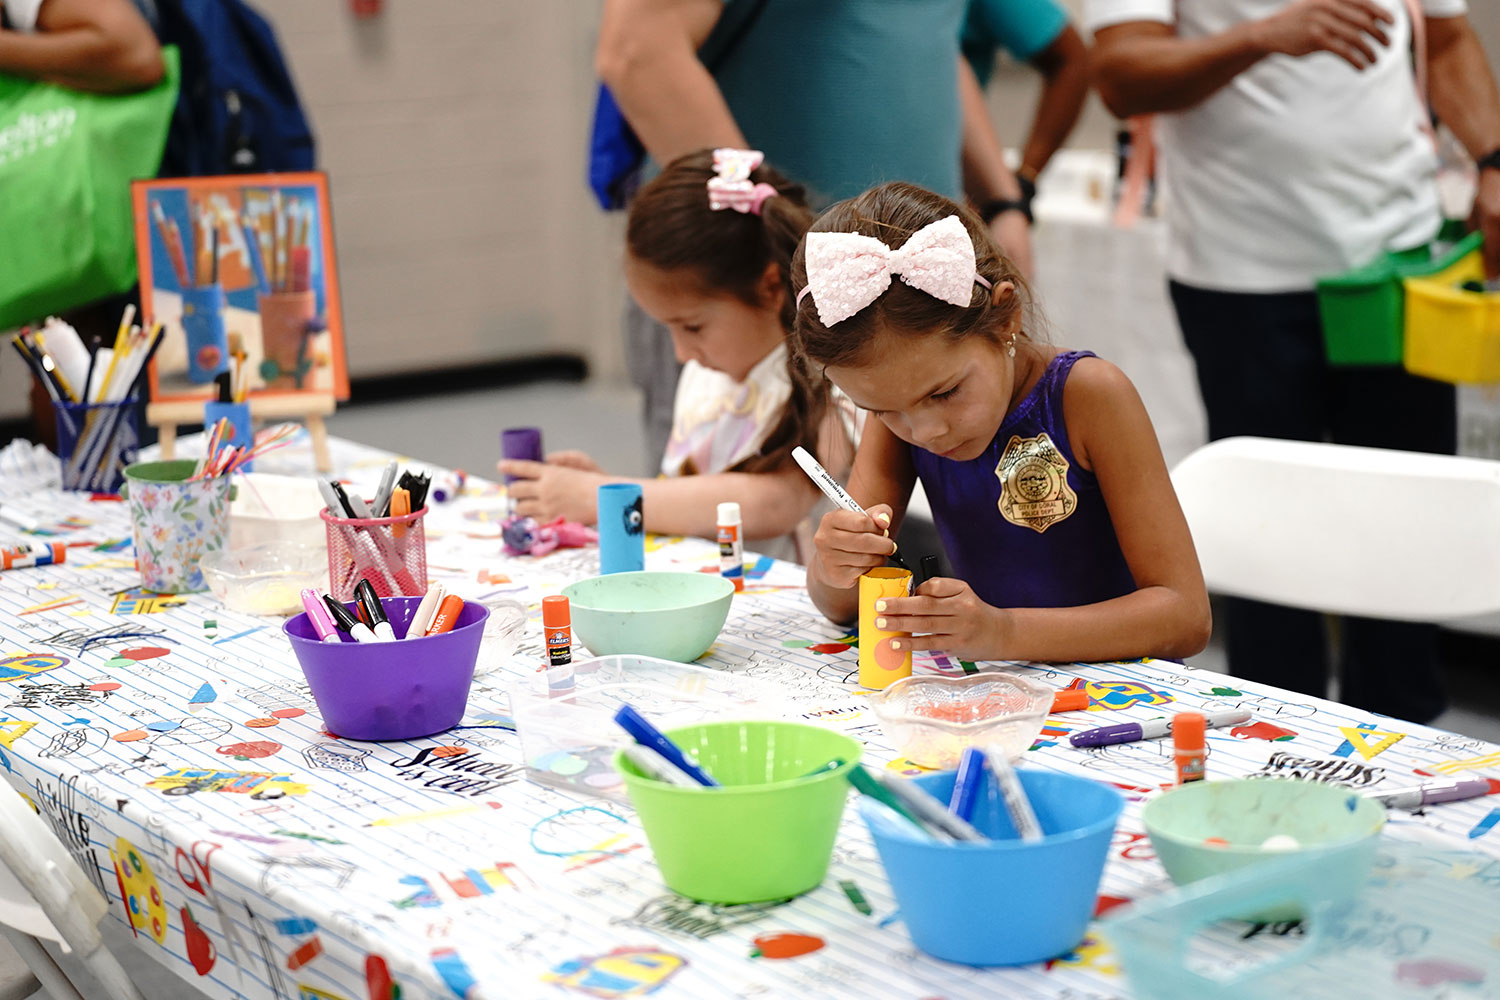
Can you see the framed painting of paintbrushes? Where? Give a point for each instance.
(240, 271)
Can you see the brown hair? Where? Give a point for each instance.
(892, 213)
(671, 227)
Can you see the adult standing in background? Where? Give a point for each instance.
(839, 94)
(1292, 148)
(1036, 32)
(103, 46)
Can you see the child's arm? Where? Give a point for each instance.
(850, 544)
(104, 46)
(1167, 615)
(772, 503)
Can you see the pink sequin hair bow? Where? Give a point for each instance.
(846, 271)
(731, 188)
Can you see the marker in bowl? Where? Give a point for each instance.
(358, 630)
(369, 603)
(318, 617)
(644, 732)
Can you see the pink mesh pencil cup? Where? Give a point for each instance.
(394, 561)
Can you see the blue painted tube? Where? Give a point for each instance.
(622, 532)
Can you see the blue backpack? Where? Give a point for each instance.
(238, 111)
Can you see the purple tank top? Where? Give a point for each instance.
(1023, 524)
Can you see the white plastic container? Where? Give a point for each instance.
(270, 508)
(569, 742)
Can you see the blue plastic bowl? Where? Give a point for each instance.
(1004, 902)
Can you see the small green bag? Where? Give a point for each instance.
(66, 162)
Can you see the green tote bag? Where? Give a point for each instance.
(66, 162)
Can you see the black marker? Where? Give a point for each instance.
(369, 603)
(346, 622)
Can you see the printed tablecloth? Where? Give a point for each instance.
(174, 747)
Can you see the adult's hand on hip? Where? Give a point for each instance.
(1350, 29)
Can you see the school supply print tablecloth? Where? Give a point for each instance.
(174, 747)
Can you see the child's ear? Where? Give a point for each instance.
(1002, 292)
(770, 289)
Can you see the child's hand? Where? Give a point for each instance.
(955, 619)
(574, 460)
(545, 491)
(849, 545)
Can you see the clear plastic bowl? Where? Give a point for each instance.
(932, 719)
(265, 579)
(569, 740)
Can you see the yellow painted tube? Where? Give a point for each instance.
(879, 664)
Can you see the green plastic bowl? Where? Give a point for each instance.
(671, 616)
(768, 833)
(1324, 819)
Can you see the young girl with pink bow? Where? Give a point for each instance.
(1044, 475)
(709, 246)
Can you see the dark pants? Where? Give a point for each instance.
(1262, 372)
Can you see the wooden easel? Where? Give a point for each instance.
(309, 407)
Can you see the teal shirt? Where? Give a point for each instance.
(846, 94)
(1021, 27)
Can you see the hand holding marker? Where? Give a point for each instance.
(834, 492)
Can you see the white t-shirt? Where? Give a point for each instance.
(22, 13)
(1298, 168)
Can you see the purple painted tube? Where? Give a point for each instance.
(523, 443)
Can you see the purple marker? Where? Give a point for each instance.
(1152, 729)
(524, 443)
(1426, 795)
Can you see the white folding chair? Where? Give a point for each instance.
(1345, 530)
(44, 894)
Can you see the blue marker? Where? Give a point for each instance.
(646, 734)
(966, 785)
(1485, 825)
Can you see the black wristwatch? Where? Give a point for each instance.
(1489, 161)
(990, 209)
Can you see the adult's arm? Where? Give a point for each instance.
(1143, 67)
(986, 177)
(1064, 66)
(1464, 96)
(648, 55)
(104, 46)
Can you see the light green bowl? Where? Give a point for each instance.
(671, 616)
(768, 832)
(1326, 819)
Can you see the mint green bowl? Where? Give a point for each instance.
(1329, 820)
(671, 616)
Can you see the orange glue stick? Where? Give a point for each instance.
(557, 628)
(1189, 747)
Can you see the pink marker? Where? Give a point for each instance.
(318, 616)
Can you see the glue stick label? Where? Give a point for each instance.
(731, 549)
(559, 646)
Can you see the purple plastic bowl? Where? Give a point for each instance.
(391, 690)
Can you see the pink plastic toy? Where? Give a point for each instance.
(523, 536)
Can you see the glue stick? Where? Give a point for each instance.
(1188, 746)
(22, 556)
(731, 546)
(558, 630)
(448, 485)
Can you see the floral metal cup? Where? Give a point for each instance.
(175, 523)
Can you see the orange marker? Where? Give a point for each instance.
(400, 507)
(1070, 700)
(447, 614)
(1189, 746)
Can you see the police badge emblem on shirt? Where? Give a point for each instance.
(1034, 490)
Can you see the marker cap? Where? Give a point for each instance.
(1189, 730)
(1070, 700)
(555, 611)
